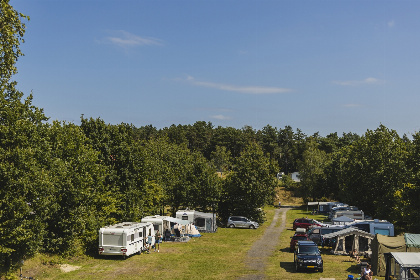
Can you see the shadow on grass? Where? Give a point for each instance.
(288, 266)
(286, 250)
(354, 269)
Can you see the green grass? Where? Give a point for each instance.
(217, 255)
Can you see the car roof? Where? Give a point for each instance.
(306, 243)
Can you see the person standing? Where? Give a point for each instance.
(149, 242)
(158, 238)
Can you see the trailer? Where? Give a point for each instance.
(124, 239)
(204, 222)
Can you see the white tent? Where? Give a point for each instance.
(349, 239)
(402, 265)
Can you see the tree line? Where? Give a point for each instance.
(60, 182)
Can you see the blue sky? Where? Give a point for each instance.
(320, 66)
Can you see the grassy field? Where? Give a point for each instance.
(213, 256)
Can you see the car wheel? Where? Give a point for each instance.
(321, 269)
(231, 225)
(296, 267)
(252, 227)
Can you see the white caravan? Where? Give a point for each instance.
(125, 238)
(204, 222)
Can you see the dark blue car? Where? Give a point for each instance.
(308, 257)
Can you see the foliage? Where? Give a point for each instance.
(249, 186)
(12, 30)
(372, 169)
(221, 159)
(312, 171)
(24, 192)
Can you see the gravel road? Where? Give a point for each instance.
(264, 247)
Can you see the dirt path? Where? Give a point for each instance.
(264, 247)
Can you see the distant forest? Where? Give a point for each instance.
(60, 182)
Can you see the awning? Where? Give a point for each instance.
(177, 221)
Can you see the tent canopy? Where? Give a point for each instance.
(407, 259)
(412, 240)
(348, 231)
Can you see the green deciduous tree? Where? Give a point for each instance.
(221, 159)
(82, 201)
(312, 171)
(25, 188)
(372, 169)
(249, 186)
(12, 30)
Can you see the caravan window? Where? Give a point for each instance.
(112, 239)
(383, 231)
(130, 237)
(200, 222)
(364, 227)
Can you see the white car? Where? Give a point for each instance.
(241, 222)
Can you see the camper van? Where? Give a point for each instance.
(374, 226)
(124, 239)
(204, 222)
(345, 207)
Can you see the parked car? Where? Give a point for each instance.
(241, 222)
(295, 238)
(304, 223)
(307, 256)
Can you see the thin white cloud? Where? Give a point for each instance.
(391, 23)
(126, 39)
(221, 117)
(240, 89)
(367, 81)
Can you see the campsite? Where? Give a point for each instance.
(214, 255)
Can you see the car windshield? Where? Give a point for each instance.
(308, 250)
(299, 237)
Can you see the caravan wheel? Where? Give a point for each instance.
(231, 225)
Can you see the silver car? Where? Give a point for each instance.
(241, 222)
